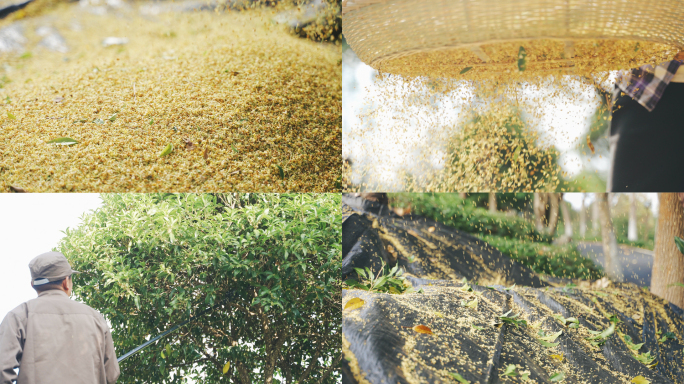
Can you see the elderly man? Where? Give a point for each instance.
(52, 339)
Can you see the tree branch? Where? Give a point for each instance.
(332, 367)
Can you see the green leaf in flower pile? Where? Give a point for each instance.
(63, 141)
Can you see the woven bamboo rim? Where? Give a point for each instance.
(564, 35)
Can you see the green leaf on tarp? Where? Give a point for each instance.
(459, 378)
(667, 335)
(464, 70)
(510, 370)
(98, 121)
(63, 141)
(547, 344)
(477, 328)
(522, 59)
(166, 151)
(558, 376)
(280, 170)
(680, 243)
(600, 337)
(112, 117)
(549, 337)
(630, 343)
(11, 116)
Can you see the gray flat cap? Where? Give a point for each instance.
(48, 267)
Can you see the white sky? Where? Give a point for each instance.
(32, 224)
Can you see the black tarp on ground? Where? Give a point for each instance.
(380, 345)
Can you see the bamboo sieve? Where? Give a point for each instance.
(474, 39)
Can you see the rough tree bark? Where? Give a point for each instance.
(492, 202)
(668, 262)
(539, 211)
(612, 265)
(583, 218)
(567, 221)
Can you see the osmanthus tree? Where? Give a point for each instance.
(268, 263)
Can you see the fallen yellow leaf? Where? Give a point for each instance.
(226, 368)
(640, 380)
(422, 329)
(354, 303)
(557, 357)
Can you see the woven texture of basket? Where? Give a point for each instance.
(471, 38)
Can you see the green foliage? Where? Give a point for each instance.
(387, 281)
(645, 244)
(555, 260)
(152, 260)
(449, 208)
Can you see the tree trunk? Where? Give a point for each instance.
(632, 234)
(492, 202)
(612, 265)
(668, 262)
(567, 221)
(583, 218)
(554, 200)
(595, 222)
(545, 207)
(539, 208)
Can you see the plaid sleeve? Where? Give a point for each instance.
(645, 84)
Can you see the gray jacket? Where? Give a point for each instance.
(53, 339)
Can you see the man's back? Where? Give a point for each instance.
(53, 339)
